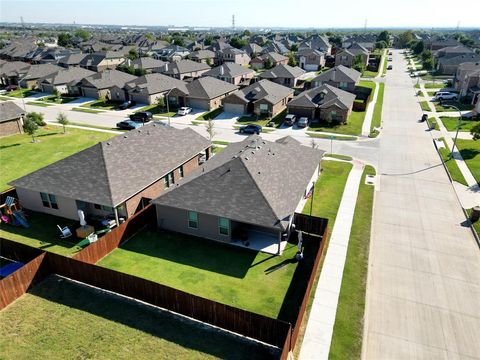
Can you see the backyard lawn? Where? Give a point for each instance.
(348, 328)
(60, 319)
(19, 156)
(451, 123)
(470, 151)
(231, 275)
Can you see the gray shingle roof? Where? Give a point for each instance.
(155, 83)
(12, 68)
(283, 71)
(264, 89)
(253, 181)
(209, 88)
(185, 66)
(339, 74)
(230, 69)
(324, 96)
(147, 63)
(112, 171)
(456, 60)
(67, 75)
(202, 54)
(72, 59)
(108, 78)
(41, 70)
(9, 111)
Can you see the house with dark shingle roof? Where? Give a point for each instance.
(146, 63)
(36, 72)
(10, 71)
(205, 93)
(260, 61)
(232, 73)
(100, 61)
(114, 177)
(11, 118)
(64, 80)
(231, 54)
(71, 60)
(346, 57)
(246, 193)
(448, 65)
(467, 80)
(203, 56)
(185, 69)
(340, 76)
(324, 103)
(261, 98)
(108, 84)
(283, 74)
(310, 59)
(149, 88)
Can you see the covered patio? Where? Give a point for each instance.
(270, 241)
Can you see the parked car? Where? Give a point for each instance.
(389, 67)
(390, 53)
(302, 122)
(290, 120)
(390, 59)
(129, 124)
(3, 91)
(445, 95)
(250, 129)
(11, 88)
(470, 116)
(125, 105)
(142, 116)
(184, 111)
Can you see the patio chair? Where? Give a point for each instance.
(65, 232)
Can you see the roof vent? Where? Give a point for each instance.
(109, 143)
(246, 157)
(125, 136)
(253, 152)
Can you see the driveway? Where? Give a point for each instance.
(423, 291)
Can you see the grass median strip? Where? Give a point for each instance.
(339, 156)
(424, 105)
(377, 111)
(86, 110)
(336, 137)
(348, 328)
(451, 164)
(35, 103)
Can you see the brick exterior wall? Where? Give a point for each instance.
(11, 127)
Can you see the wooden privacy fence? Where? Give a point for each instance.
(310, 224)
(110, 241)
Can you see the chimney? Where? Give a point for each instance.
(222, 71)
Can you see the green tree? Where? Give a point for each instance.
(30, 127)
(64, 39)
(238, 43)
(384, 36)
(177, 40)
(268, 63)
(247, 33)
(139, 72)
(428, 64)
(209, 62)
(161, 102)
(475, 132)
(56, 93)
(63, 120)
(36, 117)
(380, 45)
(149, 36)
(291, 60)
(83, 34)
(405, 38)
(294, 47)
(358, 63)
(418, 47)
(426, 55)
(129, 69)
(132, 54)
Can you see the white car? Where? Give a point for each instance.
(445, 95)
(184, 111)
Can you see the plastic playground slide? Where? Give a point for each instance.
(20, 218)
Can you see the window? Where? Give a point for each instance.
(180, 171)
(263, 108)
(343, 85)
(49, 200)
(192, 220)
(169, 179)
(333, 115)
(223, 226)
(103, 207)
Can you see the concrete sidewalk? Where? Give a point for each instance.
(319, 331)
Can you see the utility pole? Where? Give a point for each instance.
(233, 22)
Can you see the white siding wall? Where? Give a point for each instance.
(31, 200)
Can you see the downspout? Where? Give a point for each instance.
(115, 210)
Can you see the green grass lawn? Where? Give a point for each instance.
(60, 319)
(61, 100)
(225, 273)
(385, 65)
(433, 85)
(325, 136)
(430, 121)
(100, 104)
(446, 108)
(339, 156)
(348, 328)
(263, 120)
(424, 105)
(210, 114)
(369, 74)
(476, 224)
(19, 156)
(451, 165)
(91, 111)
(157, 110)
(21, 92)
(470, 151)
(377, 110)
(451, 123)
(43, 233)
(431, 93)
(37, 103)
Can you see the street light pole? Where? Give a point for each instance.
(168, 108)
(458, 128)
(19, 84)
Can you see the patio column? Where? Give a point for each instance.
(115, 210)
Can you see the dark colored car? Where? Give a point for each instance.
(142, 116)
(11, 87)
(290, 120)
(125, 105)
(129, 124)
(250, 129)
(424, 117)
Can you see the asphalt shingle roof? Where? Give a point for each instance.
(66, 76)
(112, 171)
(339, 74)
(108, 78)
(9, 111)
(230, 69)
(253, 181)
(155, 83)
(324, 96)
(185, 66)
(282, 71)
(264, 89)
(209, 88)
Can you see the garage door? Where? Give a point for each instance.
(90, 93)
(198, 104)
(140, 99)
(47, 88)
(300, 112)
(234, 108)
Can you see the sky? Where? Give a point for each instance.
(248, 13)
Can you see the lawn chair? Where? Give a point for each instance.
(65, 232)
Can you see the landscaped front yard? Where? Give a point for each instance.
(59, 100)
(156, 109)
(60, 319)
(21, 92)
(102, 104)
(451, 123)
(443, 107)
(263, 120)
(231, 275)
(470, 151)
(19, 156)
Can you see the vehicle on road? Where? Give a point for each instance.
(143, 116)
(389, 67)
(445, 95)
(125, 105)
(289, 120)
(129, 124)
(302, 122)
(250, 129)
(390, 53)
(390, 59)
(184, 111)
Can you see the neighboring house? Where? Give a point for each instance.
(453, 51)
(340, 77)
(253, 49)
(437, 44)
(232, 73)
(64, 80)
(275, 46)
(203, 56)
(346, 57)
(326, 103)
(11, 118)
(149, 88)
(12, 71)
(71, 60)
(249, 192)
(18, 49)
(467, 77)
(232, 54)
(185, 69)
(117, 177)
(275, 58)
(36, 72)
(102, 61)
(261, 98)
(310, 60)
(205, 93)
(171, 53)
(316, 42)
(108, 84)
(148, 64)
(284, 75)
(449, 65)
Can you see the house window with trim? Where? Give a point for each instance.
(103, 207)
(169, 179)
(333, 115)
(223, 226)
(264, 108)
(343, 85)
(49, 200)
(192, 220)
(180, 171)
